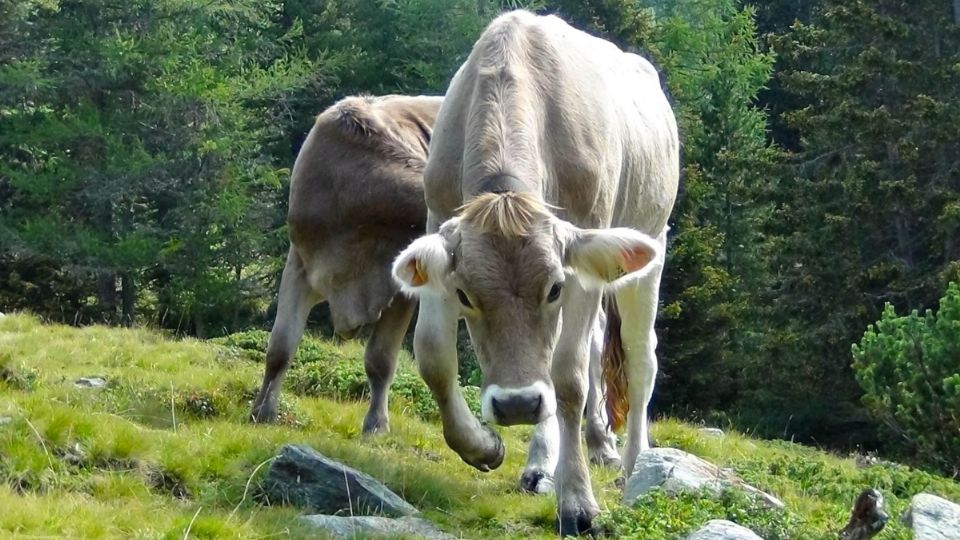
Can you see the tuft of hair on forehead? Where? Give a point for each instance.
(509, 213)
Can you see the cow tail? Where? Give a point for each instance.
(612, 360)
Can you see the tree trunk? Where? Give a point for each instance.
(199, 327)
(128, 288)
(107, 294)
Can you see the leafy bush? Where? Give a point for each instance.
(322, 368)
(252, 345)
(656, 515)
(251, 340)
(909, 368)
(345, 378)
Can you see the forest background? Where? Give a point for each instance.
(145, 149)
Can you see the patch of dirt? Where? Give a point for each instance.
(20, 484)
(165, 482)
(14, 379)
(77, 455)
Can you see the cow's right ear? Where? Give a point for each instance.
(422, 264)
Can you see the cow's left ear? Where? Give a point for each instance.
(422, 264)
(604, 256)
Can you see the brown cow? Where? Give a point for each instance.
(356, 199)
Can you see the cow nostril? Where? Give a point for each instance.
(538, 405)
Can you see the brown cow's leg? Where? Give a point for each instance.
(380, 360)
(576, 505)
(293, 306)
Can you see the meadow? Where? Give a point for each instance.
(165, 450)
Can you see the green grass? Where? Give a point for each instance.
(166, 447)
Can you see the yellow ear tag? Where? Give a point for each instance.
(419, 276)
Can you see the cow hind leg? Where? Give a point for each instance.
(538, 474)
(638, 312)
(293, 307)
(601, 441)
(380, 360)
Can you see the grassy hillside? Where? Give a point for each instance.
(165, 448)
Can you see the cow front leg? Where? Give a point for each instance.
(601, 441)
(576, 505)
(638, 312)
(538, 474)
(293, 306)
(380, 360)
(435, 348)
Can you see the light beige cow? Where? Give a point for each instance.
(552, 171)
(356, 200)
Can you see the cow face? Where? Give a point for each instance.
(508, 263)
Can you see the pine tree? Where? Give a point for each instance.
(871, 211)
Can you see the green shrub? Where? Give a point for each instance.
(252, 344)
(909, 369)
(657, 515)
(322, 369)
(251, 340)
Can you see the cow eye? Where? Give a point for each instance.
(463, 299)
(554, 293)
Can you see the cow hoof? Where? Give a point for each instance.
(263, 414)
(610, 461)
(493, 458)
(576, 523)
(375, 425)
(536, 481)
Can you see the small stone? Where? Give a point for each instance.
(864, 461)
(677, 471)
(90, 382)
(712, 432)
(721, 529)
(349, 527)
(302, 477)
(933, 518)
(74, 454)
(4, 420)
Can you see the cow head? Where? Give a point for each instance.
(506, 260)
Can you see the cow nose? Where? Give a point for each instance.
(517, 408)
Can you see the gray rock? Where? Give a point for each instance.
(372, 526)
(712, 432)
(933, 518)
(302, 477)
(721, 529)
(4, 420)
(676, 471)
(90, 382)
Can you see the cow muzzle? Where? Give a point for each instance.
(512, 406)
